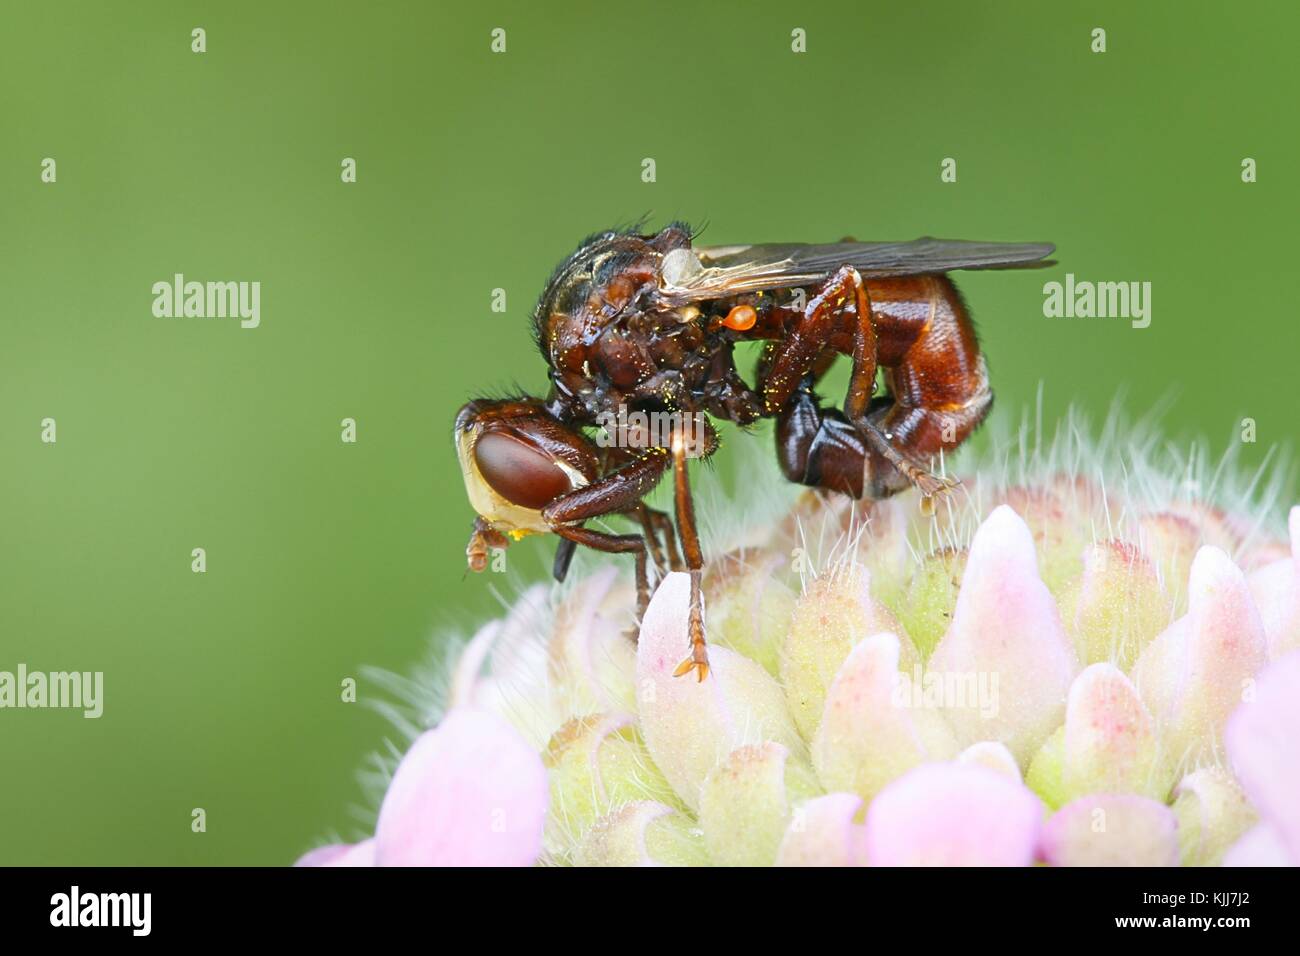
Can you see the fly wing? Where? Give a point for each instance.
(711, 272)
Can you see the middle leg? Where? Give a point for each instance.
(806, 342)
(655, 523)
(699, 659)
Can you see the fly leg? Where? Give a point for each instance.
(857, 404)
(482, 540)
(656, 523)
(642, 513)
(664, 522)
(615, 544)
(890, 461)
(617, 492)
(818, 447)
(699, 659)
(916, 474)
(794, 356)
(563, 558)
(939, 392)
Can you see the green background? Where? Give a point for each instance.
(479, 171)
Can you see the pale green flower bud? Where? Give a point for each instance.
(595, 764)
(1213, 813)
(644, 833)
(747, 803)
(835, 613)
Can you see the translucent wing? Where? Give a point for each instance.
(710, 272)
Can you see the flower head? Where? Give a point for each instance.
(1086, 665)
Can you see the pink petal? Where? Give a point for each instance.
(877, 723)
(747, 802)
(1111, 829)
(1276, 590)
(1110, 741)
(1006, 628)
(1194, 673)
(466, 673)
(323, 854)
(1261, 846)
(750, 606)
(1263, 740)
(885, 549)
(1213, 526)
(590, 658)
(690, 726)
(823, 833)
(470, 792)
(1212, 812)
(340, 854)
(361, 854)
(953, 815)
(1052, 516)
(515, 681)
(1120, 604)
(835, 612)
(504, 669)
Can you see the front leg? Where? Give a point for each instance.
(615, 544)
(482, 540)
(563, 558)
(613, 493)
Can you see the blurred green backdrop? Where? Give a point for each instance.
(476, 171)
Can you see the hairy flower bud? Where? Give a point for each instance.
(1065, 669)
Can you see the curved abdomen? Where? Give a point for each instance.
(926, 343)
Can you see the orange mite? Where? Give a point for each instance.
(741, 318)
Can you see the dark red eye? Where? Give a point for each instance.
(519, 472)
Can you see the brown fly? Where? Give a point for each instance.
(638, 332)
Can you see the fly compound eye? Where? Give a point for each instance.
(518, 471)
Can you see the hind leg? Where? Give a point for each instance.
(841, 308)
(938, 382)
(819, 447)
